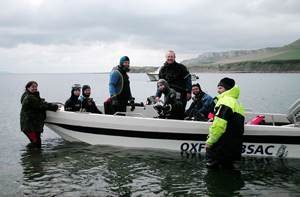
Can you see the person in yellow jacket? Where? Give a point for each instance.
(224, 142)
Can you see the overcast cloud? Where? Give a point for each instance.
(90, 35)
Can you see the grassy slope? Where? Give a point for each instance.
(291, 51)
(269, 59)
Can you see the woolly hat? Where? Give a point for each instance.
(197, 85)
(123, 59)
(163, 82)
(76, 87)
(227, 83)
(85, 87)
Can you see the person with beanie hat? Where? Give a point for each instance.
(225, 84)
(172, 107)
(119, 87)
(124, 64)
(86, 90)
(87, 103)
(73, 103)
(201, 106)
(177, 76)
(225, 138)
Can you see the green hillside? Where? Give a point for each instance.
(288, 52)
(279, 59)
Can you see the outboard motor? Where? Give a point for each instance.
(293, 114)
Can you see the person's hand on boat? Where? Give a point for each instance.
(157, 99)
(51, 106)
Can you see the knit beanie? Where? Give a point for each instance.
(163, 82)
(85, 87)
(76, 87)
(227, 83)
(123, 59)
(197, 85)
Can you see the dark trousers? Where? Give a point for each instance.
(215, 159)
(119, 106)
(183, 99)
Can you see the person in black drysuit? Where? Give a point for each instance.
(87, 103)
(172, 107)
(73, 103)
(177, 76)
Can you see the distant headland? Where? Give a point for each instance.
(285, 59)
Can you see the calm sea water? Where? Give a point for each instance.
(77, 169)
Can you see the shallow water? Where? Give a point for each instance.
(78, 169)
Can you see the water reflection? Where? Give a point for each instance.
(31, 160)
(224, 182)
(74, 169)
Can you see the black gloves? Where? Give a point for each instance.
(167, 108)
(131, 103)
(52, 106)
(162, 110)
(158, 108)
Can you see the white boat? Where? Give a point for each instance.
(138, 129)
(153, 76)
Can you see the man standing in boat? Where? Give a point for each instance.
(119, 86)
(177, 76)
(224, 143)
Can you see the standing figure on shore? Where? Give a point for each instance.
(119, 87)
(73, 103)
(177, 76)
(224, 143)
(33, 113)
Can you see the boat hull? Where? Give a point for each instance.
(183, 136)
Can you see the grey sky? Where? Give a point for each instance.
(90, 35)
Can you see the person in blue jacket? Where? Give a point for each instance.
(201, 106)
(119, 86)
